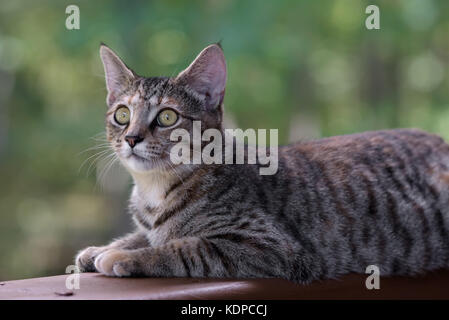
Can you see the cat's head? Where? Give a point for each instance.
(142, 112)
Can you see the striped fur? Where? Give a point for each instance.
(335, 206)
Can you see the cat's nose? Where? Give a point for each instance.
(133, 140)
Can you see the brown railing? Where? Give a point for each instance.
(433, 285)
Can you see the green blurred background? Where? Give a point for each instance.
(309, 68)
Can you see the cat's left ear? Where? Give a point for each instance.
(118, 76)
(206, 75)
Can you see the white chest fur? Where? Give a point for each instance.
(150, 188)
(148, 195)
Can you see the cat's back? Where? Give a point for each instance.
(378, 153)
(407, 164)
(397, 143)
(378, 197)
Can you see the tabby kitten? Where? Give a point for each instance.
(335, 206)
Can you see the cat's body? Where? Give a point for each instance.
(336, 205)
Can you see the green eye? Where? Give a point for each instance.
(166, 118)
(122, 115)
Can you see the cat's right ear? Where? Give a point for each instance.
(206, 75)
(118, 76)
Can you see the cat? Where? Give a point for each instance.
(336, 205)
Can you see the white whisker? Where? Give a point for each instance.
(100, 146)
(98, 159)
(98, 154)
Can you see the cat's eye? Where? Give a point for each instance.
(167, 118)
(122, 115)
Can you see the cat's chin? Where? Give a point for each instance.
(139, 164)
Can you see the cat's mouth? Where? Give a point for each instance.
(134, 155)
(136, 161)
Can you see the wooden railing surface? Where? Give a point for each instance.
(433, 285)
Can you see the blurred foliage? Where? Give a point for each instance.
(309, 68)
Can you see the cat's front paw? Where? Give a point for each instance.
(115, 263)
(86, 258)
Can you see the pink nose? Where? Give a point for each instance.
(133, 140)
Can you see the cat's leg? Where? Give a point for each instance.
(86, 257)
(197, 257)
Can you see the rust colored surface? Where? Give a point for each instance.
(95, 286)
